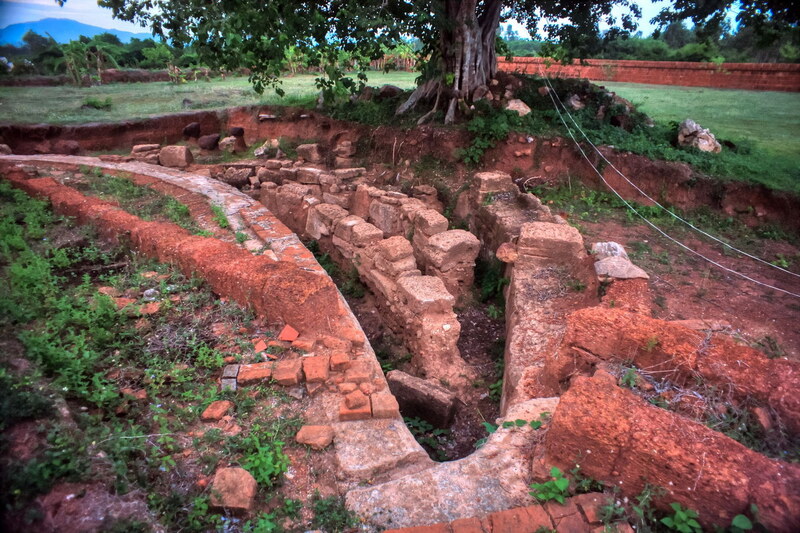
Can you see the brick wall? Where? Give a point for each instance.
(751, 76)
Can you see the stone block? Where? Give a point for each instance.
(175, 156)
(394, 269)
(423, 398)
(387, 217)
(365, 234)
(310, 152)
(559, 243)
(425, 294)
(395, 248)
(430, 222)
(209, 142)
(451, 248)
(309, 175)
(322, 219)
(359, 372)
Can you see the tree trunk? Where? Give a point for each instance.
(467, 56)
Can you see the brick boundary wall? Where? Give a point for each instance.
(749, 76)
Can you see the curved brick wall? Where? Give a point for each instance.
(751, 76)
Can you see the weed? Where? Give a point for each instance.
(97, 103)
(495, 312)
(263, 523)
(432, 439)
(219, 217)
(682, 520)
(330, 514)
(769, 345)
(651, 344)
(629, 378)
(241, 237)
(574, 284)
(557, 488)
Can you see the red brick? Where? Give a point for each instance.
(560, 510)
(259, 345)
(287, 372)
(122, 303)
(318, 437)
(356, 399)
(216, 410)
(573, 524)
(254, 373)
(288, 333)
(384, 406)
(303, 345)
(520, 520)
(335, 343)
(591, 505)
(359, 413)
(467, 525)
(150, 308)
(347, 388)
(316, 368)
(339, 361)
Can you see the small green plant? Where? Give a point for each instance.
(330, 514)
(574, 284)
(629, 378)
(219, 217)
(651, 343)
(241, 237)
(97, 103)
(263, 456)
(428, 436)
(557, 488)
(263, 523)
(682, 520)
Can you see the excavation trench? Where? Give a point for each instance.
(421, 313)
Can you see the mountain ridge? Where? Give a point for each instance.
(62, 30)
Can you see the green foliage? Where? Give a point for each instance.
(96, 103)
(682, 520)
(262, 455)
(241, 237)
(431, 438)
(556, 488)
(219, 217)
(263, 523)
(330, 514)
(20, 401)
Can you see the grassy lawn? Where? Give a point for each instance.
(769, 120)
(62, 105)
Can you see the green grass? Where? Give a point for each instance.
(62, 105)
(769, 120)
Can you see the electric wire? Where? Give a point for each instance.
(651, 224)
(643, 193)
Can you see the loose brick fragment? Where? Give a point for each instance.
(340, 361)
(259, 345)
(254, 373)
(335, 343)
(288, 333)
(591, 505)
(347, 388)
(359, 372)
(356, 399)
(466, 525)
(303, 345)
(288, 372)
(316, 368)
(216, 410)
(318, 437)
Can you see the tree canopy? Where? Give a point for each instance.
(458, 37)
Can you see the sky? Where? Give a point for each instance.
(88, 12)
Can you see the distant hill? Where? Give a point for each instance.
(62, 30)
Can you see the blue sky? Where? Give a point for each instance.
(88, 12)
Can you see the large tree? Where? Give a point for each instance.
(458, 36)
